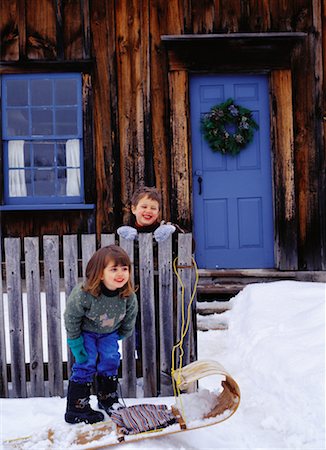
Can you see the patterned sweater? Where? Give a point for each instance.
(103, 314)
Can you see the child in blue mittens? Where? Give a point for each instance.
(145, 207)
(98, 313)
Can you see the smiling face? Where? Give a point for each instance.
(146, 211)
(115, 276)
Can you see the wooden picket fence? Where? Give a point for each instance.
(48, 268)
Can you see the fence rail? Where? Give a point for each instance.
(39, 274)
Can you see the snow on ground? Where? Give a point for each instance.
(274, 348)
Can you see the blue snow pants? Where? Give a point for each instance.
(103, 357)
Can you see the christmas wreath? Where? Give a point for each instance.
(228, 127)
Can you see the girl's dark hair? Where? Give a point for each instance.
(145, 191)
(98, 262)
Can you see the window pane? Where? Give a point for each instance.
(42, 121)
(43, 155)
(27, 154)
(66, 92)
(44, 182)
(17, 183)
(41, 92)
(73, 182)
(62, 180)
(17, 92)
(61, 154)
(28, 181)
(66, 121)
(17, 121)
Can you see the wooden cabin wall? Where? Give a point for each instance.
(133, 112)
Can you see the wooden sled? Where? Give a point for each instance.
(105, 434)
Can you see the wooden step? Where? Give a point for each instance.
(218, 288)
(210, 323)
(260, 275)
(212, 307)
(208, 315)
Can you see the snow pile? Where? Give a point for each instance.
(274, 348)
(197, 405)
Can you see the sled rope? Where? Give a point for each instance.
(177, 380)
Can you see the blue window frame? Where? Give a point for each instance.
(43, 139)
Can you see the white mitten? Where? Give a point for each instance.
(127, 232)
(163, 232)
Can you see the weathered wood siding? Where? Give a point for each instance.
(37, 273)
(136, 109)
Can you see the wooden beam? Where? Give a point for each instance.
(22, 29)
(59, 29)
(130, 73)
(244, 51)
(9, 26)
(319, 21)
(38, 66)
(284, 183)
(180, 164)
(159, 107)
(84, 6)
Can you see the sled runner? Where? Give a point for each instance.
(146, 420)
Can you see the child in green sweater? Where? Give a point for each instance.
(99, 313)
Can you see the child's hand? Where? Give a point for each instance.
(78, 349)
(163, 232)
(127, 232)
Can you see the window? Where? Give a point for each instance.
(42, 139)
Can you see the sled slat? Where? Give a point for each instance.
(53, 314)
(32, 274)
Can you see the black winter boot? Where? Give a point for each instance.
(78, 408)
(107, 394)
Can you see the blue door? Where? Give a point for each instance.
(232, 195)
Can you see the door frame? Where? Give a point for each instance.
(281, 133)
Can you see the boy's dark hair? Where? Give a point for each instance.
(95, 266)
(145, 191)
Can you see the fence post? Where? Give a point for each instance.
(184, 267)
(107, 239)
(70, 268)
(88, 242)
(147, 306)
(53, 310)
(3, 359)
(16, 323)
(129, 379)
(32, 274)
(165, 281)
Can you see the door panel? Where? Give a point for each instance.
(233, 211)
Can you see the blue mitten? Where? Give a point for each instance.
(163, 232)
(127, 232)
(78, 349)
